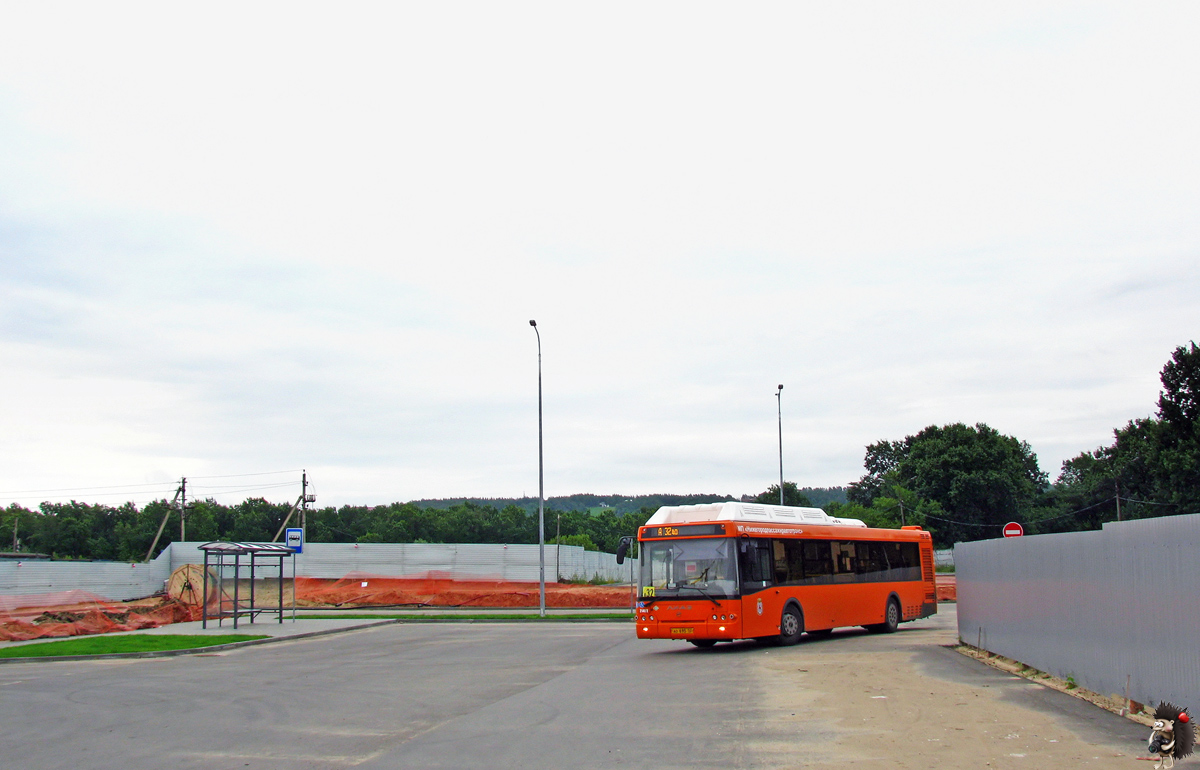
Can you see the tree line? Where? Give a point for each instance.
(958, 481)
(78, 530)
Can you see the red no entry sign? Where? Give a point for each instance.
(1013, 529)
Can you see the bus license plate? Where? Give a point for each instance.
(691, 630)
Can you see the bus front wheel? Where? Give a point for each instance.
(891, 619)
(703, 644)
(791, 626)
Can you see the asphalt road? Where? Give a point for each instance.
(523, 696)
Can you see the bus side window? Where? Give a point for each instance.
(818, 561)
(754, 558)
(844, 557)
(781, 562)
(871, 561)
(794, 552)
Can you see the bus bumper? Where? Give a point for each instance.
(689, 629)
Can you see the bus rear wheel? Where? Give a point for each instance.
(703, 644)
(791, 626)
(891, 619)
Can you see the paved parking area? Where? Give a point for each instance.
(493, 695)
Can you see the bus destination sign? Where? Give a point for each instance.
(683, 530)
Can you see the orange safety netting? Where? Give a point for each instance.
(947, 588)
(440, 589)
(95, 616)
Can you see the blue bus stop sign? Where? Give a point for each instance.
(295, 539)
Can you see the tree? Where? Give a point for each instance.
(1153, 464)
(1179, 401)
(978, 477)
(791, 496)
(583, 541)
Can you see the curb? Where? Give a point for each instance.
(271, 639)
(192, 650)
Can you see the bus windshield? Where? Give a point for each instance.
(693, 567)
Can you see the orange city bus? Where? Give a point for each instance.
(729, 571)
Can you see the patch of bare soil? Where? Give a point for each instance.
(873, 708)
(1114, 703)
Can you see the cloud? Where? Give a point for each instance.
(315, 238)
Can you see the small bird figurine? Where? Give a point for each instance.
(1172, 736)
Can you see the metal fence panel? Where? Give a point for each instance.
(514, 562)
(1113, 608)
(117, 581)
(114, 581)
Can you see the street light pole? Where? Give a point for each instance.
(779, 408)
(541, 489)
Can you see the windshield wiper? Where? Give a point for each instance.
(698, 589)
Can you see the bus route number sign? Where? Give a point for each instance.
(1013, 529)
(683, 530)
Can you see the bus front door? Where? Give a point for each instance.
(762, 602)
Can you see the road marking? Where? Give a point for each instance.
(342, 731)
(333, 759)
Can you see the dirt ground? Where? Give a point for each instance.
(907, 700)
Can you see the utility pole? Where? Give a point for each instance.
(163, 524)
(1117, 497)
(182, 508)
(16, 518)
(305, 499)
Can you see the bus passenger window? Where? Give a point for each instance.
(754, 560)
(781, 562)
(794, 553)
(843, 558)
(818, 561)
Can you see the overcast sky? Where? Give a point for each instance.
(239, 238)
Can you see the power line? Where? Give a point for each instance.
(93, 494)
(254, 489)
(231, 486)
(1038, 521)
(963, 523)
(1147, 502)
(141, 489)
(83, 489)
(243, 475)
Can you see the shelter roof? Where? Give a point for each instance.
(258, 549)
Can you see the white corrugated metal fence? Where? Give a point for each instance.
(1105, 608)
(117, 581)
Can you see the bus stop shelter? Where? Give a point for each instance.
(227, 564)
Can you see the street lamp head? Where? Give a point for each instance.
(781, 386)
(532, 323)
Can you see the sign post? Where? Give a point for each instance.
(295, 539)
(1013, 529)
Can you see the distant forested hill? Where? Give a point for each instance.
(621, 504)
(823, 496)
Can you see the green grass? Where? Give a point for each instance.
(106, 645)
(465, 616)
